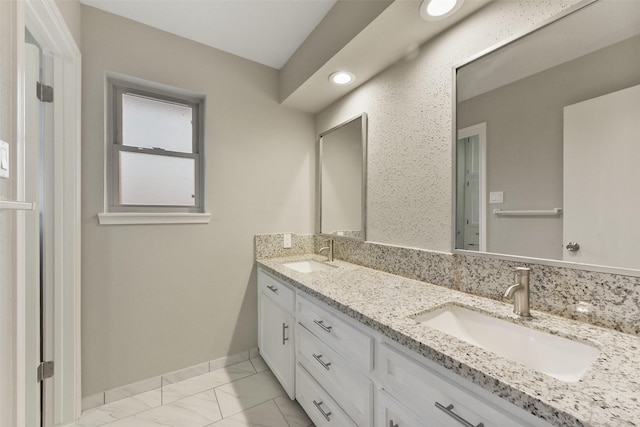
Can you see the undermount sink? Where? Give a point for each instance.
(308, 266)
(555, 356)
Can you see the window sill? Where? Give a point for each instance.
(123, 218)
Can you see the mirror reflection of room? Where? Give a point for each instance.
(341, 168)
(560, 125)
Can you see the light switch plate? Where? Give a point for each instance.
(287, 241)
(4, 159)
(496, 197)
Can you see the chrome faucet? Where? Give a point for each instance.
(520, 292)
(329, 250)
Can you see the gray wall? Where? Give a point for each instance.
(71, 11)
(156, 298)
(524, 142)
(410, 126)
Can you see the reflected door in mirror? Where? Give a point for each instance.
(601, 178)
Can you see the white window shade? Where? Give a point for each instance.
(149, 123)
(149, 179)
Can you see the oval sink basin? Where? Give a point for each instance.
(555, 356)
(308, 266)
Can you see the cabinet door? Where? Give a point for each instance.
(346, 385)
(275, 339)
(337, 332)
(434, 397)
(318, 404)
(393, 414)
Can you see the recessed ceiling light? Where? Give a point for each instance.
(432, 10)
(341, 78)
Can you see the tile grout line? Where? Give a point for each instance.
(244, 355)
(219, 407)
(216, 392)
(254, 406)
(207, 389)
(162, 403)
(191, 395)
(281, 413)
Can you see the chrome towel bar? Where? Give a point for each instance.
(528, 212)
(17, 206)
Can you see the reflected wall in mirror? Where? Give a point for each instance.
(558, 176)
(342, 178)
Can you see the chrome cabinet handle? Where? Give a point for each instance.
(325, 365)
(272, 288)
(284, 338)
(392, 424)
(324, 414)
(448, 410)
(320, 323)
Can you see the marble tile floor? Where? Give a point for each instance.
(242, 395)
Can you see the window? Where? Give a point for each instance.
(155, 161)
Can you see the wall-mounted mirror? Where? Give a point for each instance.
(341, 179)
(547, 151)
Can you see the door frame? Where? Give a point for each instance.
(480, 130)
(46, 24)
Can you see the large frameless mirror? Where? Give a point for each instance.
(546, 146)
(342, 179)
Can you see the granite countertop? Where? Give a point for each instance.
(608, 394)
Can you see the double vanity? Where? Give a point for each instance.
(361, 347)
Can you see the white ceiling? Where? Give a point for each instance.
(264, 31)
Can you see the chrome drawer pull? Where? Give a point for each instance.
(318, 357)
(392, 424)
(325, 414)
(272, 288)
(322, 325)
(284, 328)
(448, 410)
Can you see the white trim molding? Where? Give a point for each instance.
(129, 218)
(480, 130)
(45, 22)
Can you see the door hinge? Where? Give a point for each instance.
(45, 370)
(44, 92)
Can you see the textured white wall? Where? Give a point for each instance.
(156, 298)
(410, 125)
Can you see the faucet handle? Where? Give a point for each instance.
(521, 271)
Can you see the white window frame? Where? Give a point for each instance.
(117, 213)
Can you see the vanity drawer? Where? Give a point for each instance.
(391, 413)
(281, 294)
(432, 396)
(346, 385)
(348, 341)
(317, 403)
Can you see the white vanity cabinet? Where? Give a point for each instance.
(345, 374)
(431, 396)
(338, 356)
(391, 413)
(276, 325)
(435, 396)
(318, 403)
